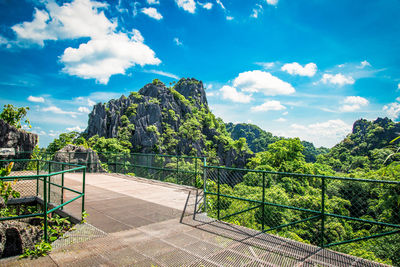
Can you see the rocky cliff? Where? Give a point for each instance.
(173, 120)
(12, 137)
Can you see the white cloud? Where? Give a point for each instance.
(75, 129)
(353, 103)
(153, 2)
(364, 64)
(392, 110)
(80, 100)
(296, 69)
(266, 65)
(256, 11)
(269, 105)
(36, 99)
(281, 120)
(152, 13)
(207, 5)
(83, 110)
(106, 53)
(220, 4)
(398, 86)
(338, 79)
(272, 2)
(285, 113)
(326, 133)
(229, 18)
(264, 82)
(80, 18)
(177, 41)
(210, 94)
(101, 58)
(187, 5)
(229, 92)
(163, 73)
(57, 110)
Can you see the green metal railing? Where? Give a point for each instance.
(183, 170)
(325, 211)
(44, 182)
(322, 210)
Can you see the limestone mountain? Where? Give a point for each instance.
(172, 120)
(367, 146)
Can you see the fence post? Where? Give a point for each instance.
(177, 168)
(322, 213)
(218, 195)
(124, 164)
(205, 184)
(45, 208)
(37, 178)
(49, 192)
(195, 171)
(89, 162)
(83, 189)
(115, 163)
(62, 186)
(263, 201)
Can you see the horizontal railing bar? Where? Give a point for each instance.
(362, 220)
(305, 175)
(22, 216)
(267, 203)
(292, 223)
(239, 212)
(65, 203)
(362, 238)
(307, 210)
(66, 188)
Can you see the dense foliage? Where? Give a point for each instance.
(366, 148)
(15, 116)
(342, 197)
(259, 140)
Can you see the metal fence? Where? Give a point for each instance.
(41, 183)
(183, 170)
(320, 210)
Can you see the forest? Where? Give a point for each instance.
(186, 126)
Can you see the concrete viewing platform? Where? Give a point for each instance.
(138, 222)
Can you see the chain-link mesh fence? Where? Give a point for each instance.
(360, 215)
(183, 170)
(31, 188)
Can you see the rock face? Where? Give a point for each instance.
(159, 119)
(79, 155)
(12, 137)
(16, 236)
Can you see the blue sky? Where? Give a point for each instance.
(306, 68)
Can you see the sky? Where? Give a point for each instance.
(304, 68)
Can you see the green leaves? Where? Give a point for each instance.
(14, 115)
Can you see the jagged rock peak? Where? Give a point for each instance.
(192, 88)
(154, 89)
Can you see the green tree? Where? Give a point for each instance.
(14, 115)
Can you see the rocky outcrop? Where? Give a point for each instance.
(81, 156)
(20, 140)
(16, 236)
(158, 119)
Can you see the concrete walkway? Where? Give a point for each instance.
(138, 222)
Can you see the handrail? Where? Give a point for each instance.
(46, 184)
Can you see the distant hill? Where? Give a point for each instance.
(366, 147)
(258, 140)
